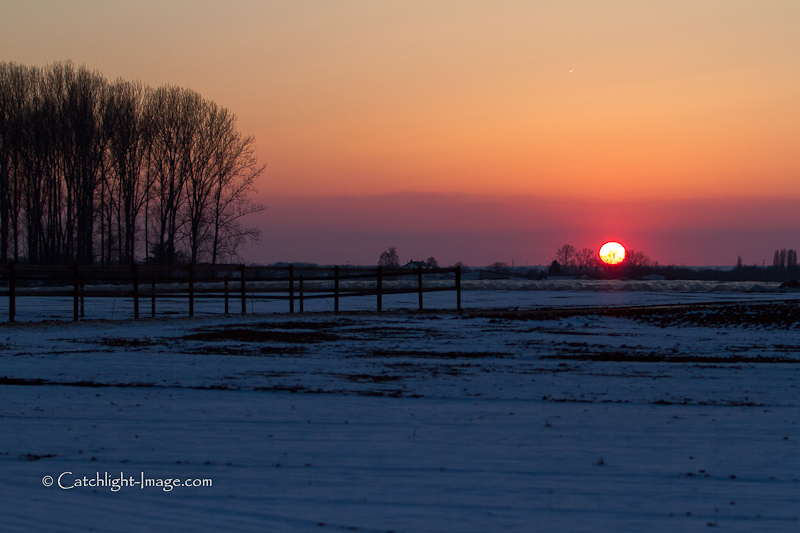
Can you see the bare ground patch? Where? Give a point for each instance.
(436, 354)
(769, 315)
(131, 343)
(623, 357)
(90, 384)
(306, 325)
(271, 336)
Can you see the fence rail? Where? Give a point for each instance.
(231, 282)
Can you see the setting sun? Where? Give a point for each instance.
(612, 253)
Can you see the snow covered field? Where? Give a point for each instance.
(674, 419)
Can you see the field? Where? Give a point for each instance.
(532, 411)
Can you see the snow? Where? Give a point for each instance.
(475, 294)
(406, 421)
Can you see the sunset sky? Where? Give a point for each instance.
(478, 131)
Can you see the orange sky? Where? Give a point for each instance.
(647, 102)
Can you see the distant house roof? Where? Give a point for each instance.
(416, 264)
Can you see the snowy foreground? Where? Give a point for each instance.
(662, 420)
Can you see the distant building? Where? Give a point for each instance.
(416, 264)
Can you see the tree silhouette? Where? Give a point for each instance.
(636, 259)
(389, 258)
(500, 267)
(779, 259)
(565, 256)
(586, 260)
(82, 161)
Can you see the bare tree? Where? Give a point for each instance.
(230, 209)
(7, 117)
(40, 162)
(791, 258)
(432, 262)
(389, 258)
(565, 256)
(211, 121)
(234, 170)
(15, 87)
(84, 156)
(500, 267)
(777, 260)
(636, 259)
(586, 260)
(177, 113)
(130, 130)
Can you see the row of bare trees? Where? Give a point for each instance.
(93, 171)
(586, 260)
(583, 261)
(782, 259)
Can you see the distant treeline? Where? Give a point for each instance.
(585, 262)
(672, 272)
(112, 173)
(784, 267)
(740, 273)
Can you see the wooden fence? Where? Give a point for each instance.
(231, 282)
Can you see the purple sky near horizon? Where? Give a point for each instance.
(477, 131)
(523, 230)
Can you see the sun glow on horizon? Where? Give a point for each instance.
(612, 253)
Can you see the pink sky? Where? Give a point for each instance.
(473, 130)
(480, 230)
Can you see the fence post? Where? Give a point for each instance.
(82, 297)
(135, 291)
(380, 289)
(12, 289)
(458, 288)
(191, 289)
(226, 295)
(291, 288)
(243, 272)
(336, 289)
(301, 294)
(153, 297)
(419, 285)
(76, 279)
